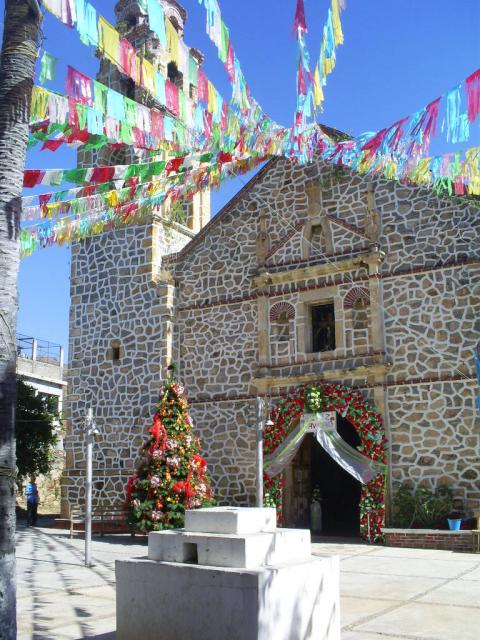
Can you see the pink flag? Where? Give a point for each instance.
(372, 145)
(230, 63)
(202, 86)
(171, 91)
(79, 87)
(472, 85)
(299, 21)
(302, 85)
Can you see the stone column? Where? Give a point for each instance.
(206, 212)
(374, 260)
(263, 322)
(380, 392)
(380, 396)
(166, 309)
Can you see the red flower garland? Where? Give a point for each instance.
(367, 422)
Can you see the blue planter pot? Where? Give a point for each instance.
(454, 525)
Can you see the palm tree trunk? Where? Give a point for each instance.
(17, 68)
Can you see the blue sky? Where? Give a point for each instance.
(398, 55)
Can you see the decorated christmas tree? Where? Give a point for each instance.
(171, 475)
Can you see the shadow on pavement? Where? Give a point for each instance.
(101, 636)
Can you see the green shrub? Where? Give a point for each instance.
(421, 506)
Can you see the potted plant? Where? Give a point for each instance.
(454, 520)
(316, 511)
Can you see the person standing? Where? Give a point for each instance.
(31, 494)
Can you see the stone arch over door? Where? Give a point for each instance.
(352, 406)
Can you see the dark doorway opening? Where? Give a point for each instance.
(313, 468)
(339, 490)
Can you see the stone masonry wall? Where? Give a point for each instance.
(422, 303)
(429, 317)
(114, 303)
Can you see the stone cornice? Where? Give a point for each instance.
(283, 241)
(309, 272)
(263, 282)
(158, 218)
(318, 358)
(362, 387)
(346, 225)
(264, 383)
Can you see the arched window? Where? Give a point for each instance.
(357, 293)
(281, 316)
(357, 319)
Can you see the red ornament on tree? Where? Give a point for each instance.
(171, 475)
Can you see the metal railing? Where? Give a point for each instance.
(39, 350)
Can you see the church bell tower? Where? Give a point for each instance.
(122, 300)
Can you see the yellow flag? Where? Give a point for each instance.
(148, 75)
(337, 25)
(317, 88)
(172, 41)
(109, 40)
(471, 169)
(39, 104)
(112, 198)
(212, 98)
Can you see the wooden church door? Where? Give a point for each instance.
(298, 487)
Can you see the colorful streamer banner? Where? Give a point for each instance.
(120, 209)
(96, 31)
(211, 140)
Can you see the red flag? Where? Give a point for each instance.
(52, 145)
(79, 136)
(174, 165)
(223, 158)
(102, 174)
(44, 198)
(132, 182)
(32, 177)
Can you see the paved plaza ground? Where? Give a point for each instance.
(387, 593)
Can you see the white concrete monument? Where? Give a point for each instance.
(229, 575)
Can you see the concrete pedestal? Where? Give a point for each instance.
(259, 583)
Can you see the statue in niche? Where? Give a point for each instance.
(372, 217)
(320, 224)
(263, 240)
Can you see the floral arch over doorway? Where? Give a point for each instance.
(362, 415)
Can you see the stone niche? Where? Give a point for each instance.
(229, 574)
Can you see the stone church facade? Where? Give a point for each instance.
(311, 273)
